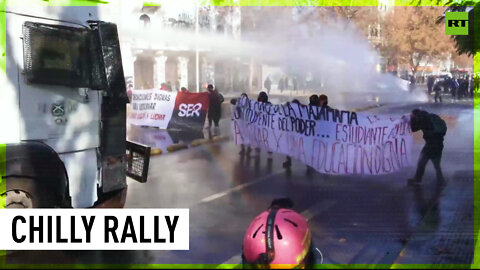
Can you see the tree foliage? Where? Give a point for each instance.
(465, 44)
(413, 35)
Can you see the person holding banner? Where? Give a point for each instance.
(434, 130)
(215, 109)
(323, 101)
(263, 97)
(233, 101)
(287, 165)
(314, 101)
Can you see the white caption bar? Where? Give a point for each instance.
(94, 229)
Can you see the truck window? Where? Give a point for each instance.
(56, 55)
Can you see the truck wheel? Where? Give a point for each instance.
(19, 199)
(26, 193)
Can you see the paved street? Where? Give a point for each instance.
(356, 220)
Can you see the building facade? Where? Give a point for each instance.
(166, 46)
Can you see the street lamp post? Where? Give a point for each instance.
(196, 48)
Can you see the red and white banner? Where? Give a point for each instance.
(168, 110)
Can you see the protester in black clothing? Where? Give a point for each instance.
(280, 85)
(434, 130)
(430, 83)
(438, 95)
(412, 83)
(268, 84)
(453, 88)
(234, 101)
(314, 100)
(471, 87)
(323, 101)
(263, 97)
(463, 88)
(296, 101)
(215, 108)
(288, 162)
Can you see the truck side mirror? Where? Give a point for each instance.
(107, 70)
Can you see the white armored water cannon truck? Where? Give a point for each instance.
(63, 111)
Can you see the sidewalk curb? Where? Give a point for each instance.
(176, 147)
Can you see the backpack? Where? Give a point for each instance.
(438, 124)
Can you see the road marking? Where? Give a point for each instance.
(237, 259)
(237, 188)
(308, 213)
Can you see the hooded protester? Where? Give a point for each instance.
(434, 129)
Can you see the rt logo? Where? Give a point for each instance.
(456, 23)
(187, 110)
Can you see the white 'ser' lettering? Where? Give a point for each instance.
(188, 110)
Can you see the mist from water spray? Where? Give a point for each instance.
(338, 56)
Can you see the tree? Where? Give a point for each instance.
(464, 44)
(413, 36)
(463, 61)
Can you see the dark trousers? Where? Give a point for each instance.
(438, 96)
(422, 162)
(215, 122)
(213, 117)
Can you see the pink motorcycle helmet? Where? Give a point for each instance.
(278, 237)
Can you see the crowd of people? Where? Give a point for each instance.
(284, 83)
(458, 88)
(215, 101)
(433, 127)
(314, 100)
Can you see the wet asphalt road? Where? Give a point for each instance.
(354, 220)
